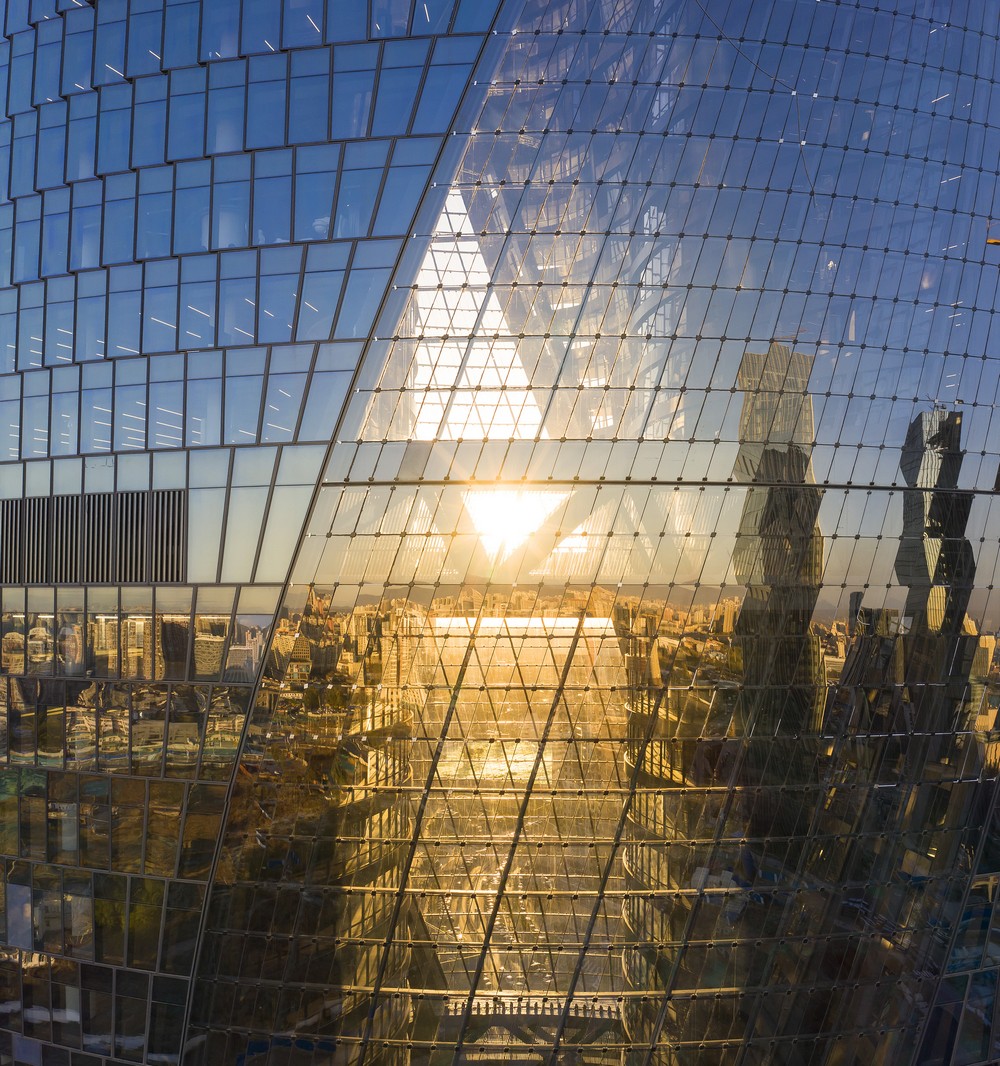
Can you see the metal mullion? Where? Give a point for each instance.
(182, 534)
(21, 520)
(223, 360)
(310, 374)
(102, 554)
(334, 197)
(201, 743)
(114, 505)
(68, 529)
(163, 38)
(130, 78)
(159, 512)
(414, 844)
(376, 80)
(285, 50)
(147, 421)
(129, 538)
(606, 876)
(369, 235)
(47, 547)
(189, 658)
(298, 306)
(20, 398)
(169, 536)
(211, 187)
(110, 517)
(86, 521)
(422, 84)
(126, 939)
(8, 560)
(62, 71)
(14, 534)
(149, 512)
(141, 510)
(91, 517)
(142, 506)
(58, 550)
(343, 288)
(78, 560)
(169, 74)
(266, 517)
(179, 849)
(227, 644)
(256, 343)
(500, 896)
(201, 35)
(29, 554)
(182, 431)
(156, 514)
(228, 488)
(119, 561)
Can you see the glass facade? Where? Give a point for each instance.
(498, 533)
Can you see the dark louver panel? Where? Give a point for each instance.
(98, 533)
(102, 538)
(37, 539)
(11, 564)
(168, 535)
(131, 550)
(65, 546)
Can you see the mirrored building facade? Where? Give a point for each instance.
(498, 533)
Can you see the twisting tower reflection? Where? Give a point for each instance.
(731, 884)
(779, 558)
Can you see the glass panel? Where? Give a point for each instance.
(173, 632)
(136, 635)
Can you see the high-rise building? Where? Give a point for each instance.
(498, 533)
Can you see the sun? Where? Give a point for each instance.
(506, 518)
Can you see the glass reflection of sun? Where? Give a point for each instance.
(506, 518)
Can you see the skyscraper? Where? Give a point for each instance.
(497, 535)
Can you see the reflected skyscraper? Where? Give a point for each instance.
(779, 558)
(911, 803)
(498, 533)
(746, 734)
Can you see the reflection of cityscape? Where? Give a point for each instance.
(618, 821)
(120, 733)
(607, 820)
(910, 719)
(139, 646)
(488, 574)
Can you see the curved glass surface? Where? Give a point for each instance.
(521, 542)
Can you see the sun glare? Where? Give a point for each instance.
(506, 518)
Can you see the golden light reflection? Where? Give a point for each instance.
(506, 518)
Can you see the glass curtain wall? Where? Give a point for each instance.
(498, 528)
(201, 206)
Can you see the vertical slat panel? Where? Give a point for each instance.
(30, 544)
(66, 532)
(98, 538)
(12, 520)
(37, 539)
(156, 534)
